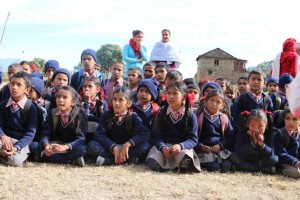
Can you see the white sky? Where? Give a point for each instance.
(61, 29)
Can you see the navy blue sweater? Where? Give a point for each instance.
(63, 133)
(118, 133)
(245, 148)
(211, 133)
(146, 115)
(249, 105)
(4, 93)
(287, 153)
(16, 128)
(167, 131)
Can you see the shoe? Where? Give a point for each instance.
(233, 168)
(268, 170)
(79, 161)
(134, 160)
(153, 164)
(100, 161)
(185, 163)
(36, 158)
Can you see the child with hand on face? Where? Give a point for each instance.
(93, 103)
(253, 151)
(175, 133)
(121, 136)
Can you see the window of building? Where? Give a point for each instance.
(210, 72)
(216, 62)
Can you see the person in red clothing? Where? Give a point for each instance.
(288, 61)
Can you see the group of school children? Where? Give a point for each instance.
(153, 117)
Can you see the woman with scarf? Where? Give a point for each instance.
(134, 53)
(287, 60)
(164, 51)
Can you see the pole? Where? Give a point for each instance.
(4, 26)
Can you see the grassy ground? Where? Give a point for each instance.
(53, 181)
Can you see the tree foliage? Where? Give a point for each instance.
(39, 63)
(265, 66)
(107, 54)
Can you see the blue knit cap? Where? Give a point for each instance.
(212, 85)
(63, 71)
(38, 85)
(151, 85)
(37, 75)
(272, 80)
(51, 64)
(90, 52)
(285, 79)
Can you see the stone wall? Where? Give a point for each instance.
(224, 69)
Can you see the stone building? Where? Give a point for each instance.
(218, 63)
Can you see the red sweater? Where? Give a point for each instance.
(289, 58)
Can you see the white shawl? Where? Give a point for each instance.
(165, 52)
(276, 66)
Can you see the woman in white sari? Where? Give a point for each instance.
(164, 51)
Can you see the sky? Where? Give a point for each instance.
(61, 29)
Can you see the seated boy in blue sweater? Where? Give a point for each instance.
(18, 121)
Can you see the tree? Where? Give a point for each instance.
(107, 54)
(39, 63)
(265, 66)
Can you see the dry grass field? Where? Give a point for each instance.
(53, 181)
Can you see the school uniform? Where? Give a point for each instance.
(21, 131)
(93, 112)
(279, 104)
(111, 85)
(63, 133)
(250, 157)
(107, 136)
(51, 97)
(253, 102)
(4, 93)
(170, 130)
(212, 134)
(145, 112)
(78, 77)
(287, 148)
(248, 101)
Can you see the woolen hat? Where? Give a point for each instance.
(151, 85)
(63, 71)
(194, 86)
(285, 79)
(37, 75)
(272, 80)
(38, 85)
(212, 85)
(51, 64)
(90, 52)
